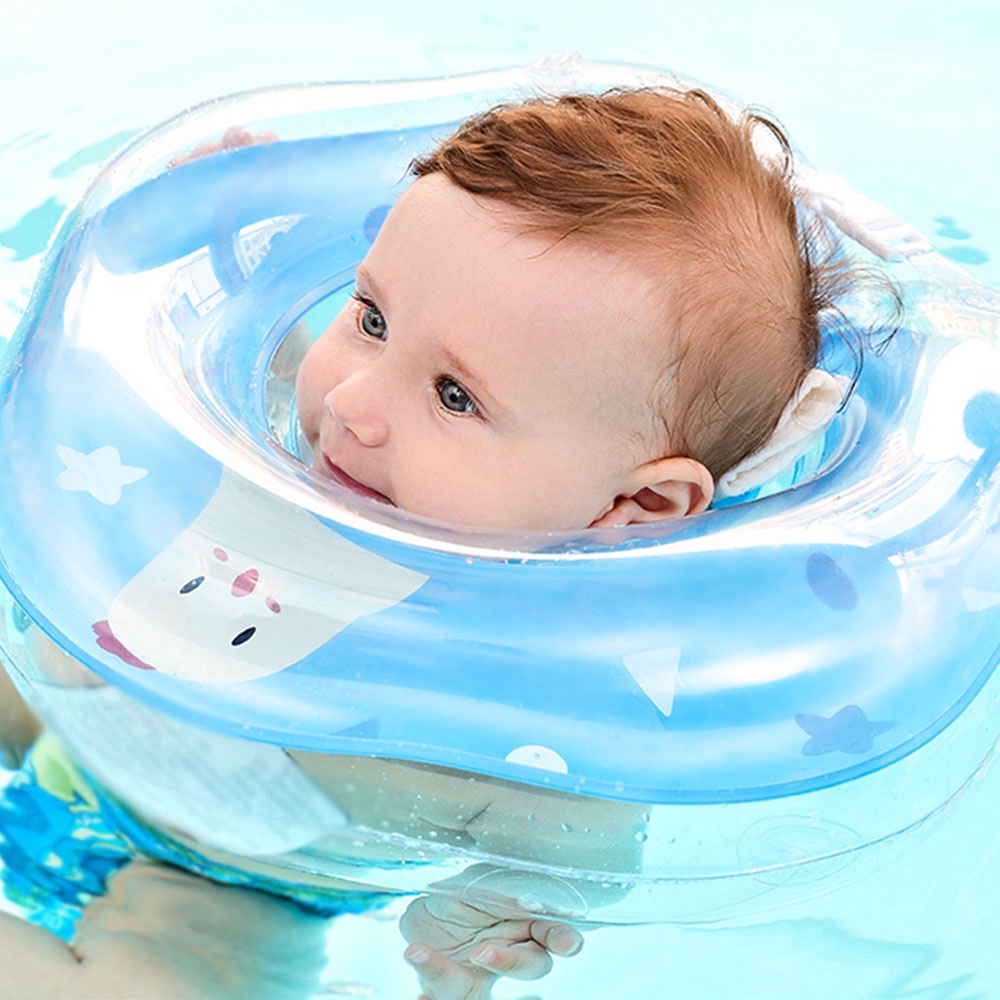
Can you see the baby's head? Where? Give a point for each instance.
(582, 312)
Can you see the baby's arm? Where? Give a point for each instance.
(163, 934)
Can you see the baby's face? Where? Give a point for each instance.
(485, 376)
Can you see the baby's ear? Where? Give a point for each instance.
(661, 490)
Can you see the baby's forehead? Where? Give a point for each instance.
(482, 275)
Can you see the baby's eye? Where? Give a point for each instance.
(373, 322)
(453, 397)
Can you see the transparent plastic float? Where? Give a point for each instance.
(672, 722)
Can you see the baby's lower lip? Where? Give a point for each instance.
(336, 473)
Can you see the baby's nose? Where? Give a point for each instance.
(358, 404)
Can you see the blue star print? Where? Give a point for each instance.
(848, 731)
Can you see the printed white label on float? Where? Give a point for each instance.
(234, 795)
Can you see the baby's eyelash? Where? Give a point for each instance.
(364, 308)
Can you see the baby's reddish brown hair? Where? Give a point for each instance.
(669, 176)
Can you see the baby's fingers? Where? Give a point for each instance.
(560, 939)
(443, 979)
(520, 961)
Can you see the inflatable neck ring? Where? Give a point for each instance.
(156, 529)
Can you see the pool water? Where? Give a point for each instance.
(900, 98)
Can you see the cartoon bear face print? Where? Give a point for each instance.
(251, 587)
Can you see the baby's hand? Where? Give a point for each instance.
(459, 950)
(235, 137)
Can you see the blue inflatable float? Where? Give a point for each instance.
(792, 654)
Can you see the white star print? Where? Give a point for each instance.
(101, 473)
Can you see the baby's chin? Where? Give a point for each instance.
(485, 522)
(470, 520)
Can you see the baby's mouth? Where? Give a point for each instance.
(338, 475)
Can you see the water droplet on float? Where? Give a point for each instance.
(619, 786)
(642, 836)
(566, 827)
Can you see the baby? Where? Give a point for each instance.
(580, 314)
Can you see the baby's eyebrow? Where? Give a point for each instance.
(364, 277)
(456, 364)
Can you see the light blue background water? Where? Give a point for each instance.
(902, 98)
